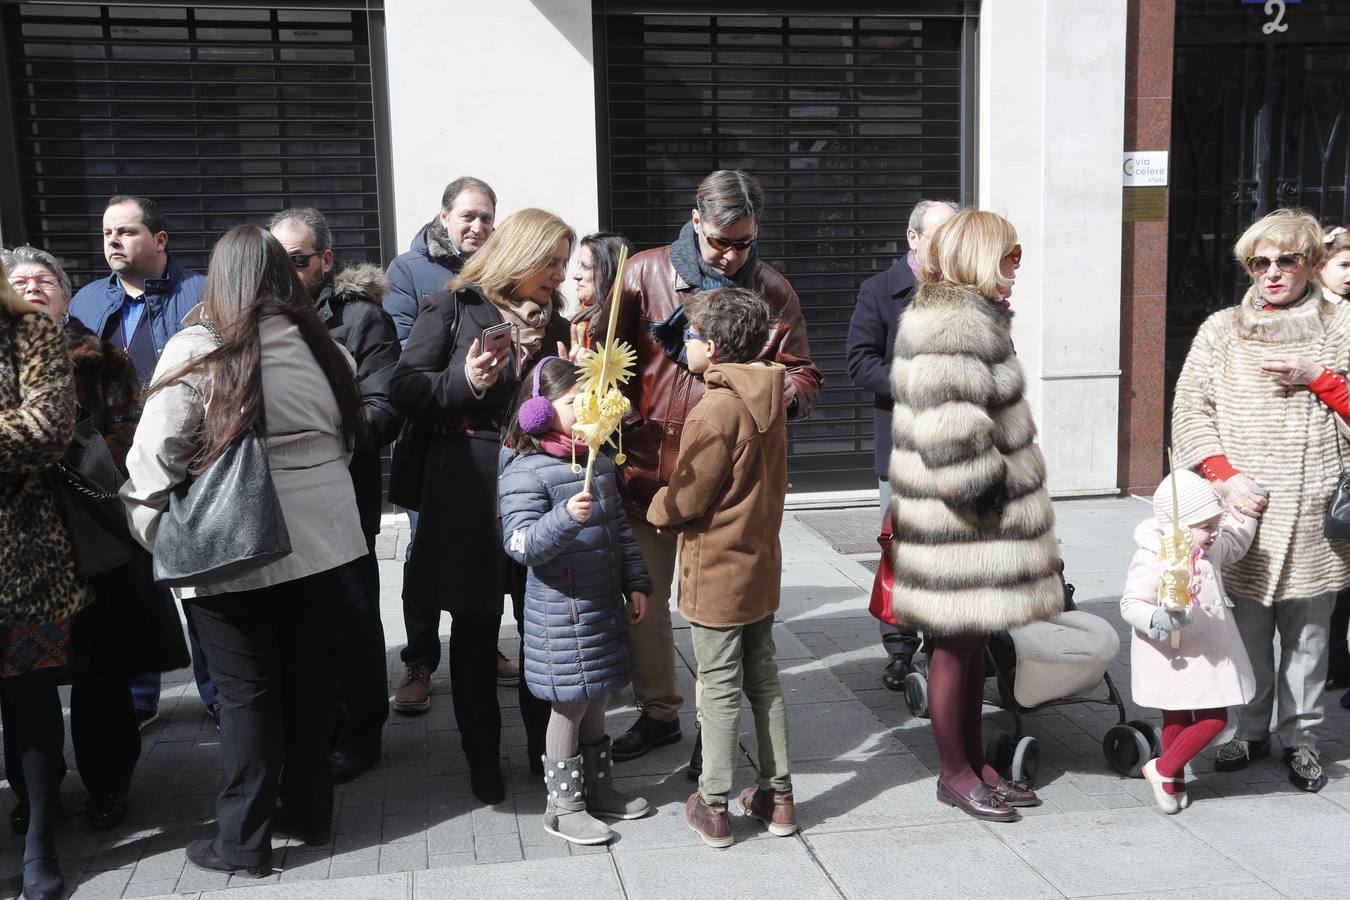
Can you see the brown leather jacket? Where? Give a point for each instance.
(663, 391)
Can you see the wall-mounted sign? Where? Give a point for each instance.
(1145, 168)
(1144, 204)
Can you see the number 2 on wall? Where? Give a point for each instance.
(1277, 9)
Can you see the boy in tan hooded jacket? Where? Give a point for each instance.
(725, 499)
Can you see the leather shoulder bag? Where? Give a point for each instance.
(85, 483)
(1336, 523)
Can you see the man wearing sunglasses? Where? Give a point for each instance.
(348, 301)
(715, 248)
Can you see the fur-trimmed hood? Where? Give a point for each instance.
(106, 387)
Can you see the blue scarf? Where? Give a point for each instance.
(689, 264)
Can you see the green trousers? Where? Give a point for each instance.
(732, 660)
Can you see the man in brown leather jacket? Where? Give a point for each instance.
(716, 248)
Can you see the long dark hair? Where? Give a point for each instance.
(556, 377)
(250, 276)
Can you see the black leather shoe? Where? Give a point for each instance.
(982, 803)
(345, 766)
(18, 817)
(646, 734)
(893, 676)
(1014, 794)
(486, 783)
(696, 758)
(105, 810)
(202, 854)
(42, 879)
(1305, 768)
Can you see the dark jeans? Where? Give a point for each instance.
(145, 689)
(362, 698)
(104, 734)
(273, 672)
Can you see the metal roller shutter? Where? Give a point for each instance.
(223, 115)
(846, 120)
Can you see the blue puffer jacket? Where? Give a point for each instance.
(576, 629)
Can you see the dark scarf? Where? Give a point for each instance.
(440, 250)
(689, 265)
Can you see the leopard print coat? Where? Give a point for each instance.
(37, 420)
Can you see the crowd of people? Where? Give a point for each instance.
(119, 400)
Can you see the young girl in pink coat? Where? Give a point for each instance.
(1192, 684)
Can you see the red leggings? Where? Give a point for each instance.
(1185, 734)
(956, 707)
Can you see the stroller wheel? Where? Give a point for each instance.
(998, 752)
(1126, 749)
(1026, 761)
(1149, 732)
(916, 694)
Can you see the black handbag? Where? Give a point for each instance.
(1336, 523)
(85, 483)
(224, 523)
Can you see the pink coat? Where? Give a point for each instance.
(1210, 669)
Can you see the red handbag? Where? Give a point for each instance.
(880, 605)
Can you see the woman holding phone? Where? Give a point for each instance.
(460, 370)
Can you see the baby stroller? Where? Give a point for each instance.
(1056, 662)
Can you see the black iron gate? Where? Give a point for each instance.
(1259, 121)
(847, 120)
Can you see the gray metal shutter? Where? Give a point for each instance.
(846, 120)
(222, 115)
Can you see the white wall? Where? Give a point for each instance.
(1051, 132)
(504, 91)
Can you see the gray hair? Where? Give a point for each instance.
(312, 219)
(921, 210)
(466, 183)
(729, 195)
(27, 255)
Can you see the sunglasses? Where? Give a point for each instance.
(1014, 255)
(20, 282)
(722, 245)
(1285, 262)
(691, 335)
(301, 260)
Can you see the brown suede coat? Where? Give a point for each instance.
(725, 496)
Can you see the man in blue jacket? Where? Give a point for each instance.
(138, 307)
(871, 341)
(468, 214)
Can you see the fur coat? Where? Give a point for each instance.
(974, 548)
(1284, 437)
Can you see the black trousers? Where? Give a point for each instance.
(1338, 661)
(102, 729)
(422, 624)
(272, 665)
(362, 698)
(473, 685)
(533, 711)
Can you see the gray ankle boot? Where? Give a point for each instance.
(601, 797)
(565, 814)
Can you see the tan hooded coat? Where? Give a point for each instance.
(974, 549)
(1283, 437)
(725, 497)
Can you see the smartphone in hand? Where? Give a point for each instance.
(499, 340)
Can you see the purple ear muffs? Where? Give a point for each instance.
(536, 414)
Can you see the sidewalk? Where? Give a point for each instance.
(863, 775)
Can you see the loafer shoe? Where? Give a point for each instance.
(1305, 768)
(202, 854)
(645, 734)
(982, 803)
(1014, 794)
(487, 784)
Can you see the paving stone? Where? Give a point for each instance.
(1268, 835)
(147, 889)
(574, 878)
(957, 859)
(784, 863)
(495, 848)
(403, 857)
(379, 887)
(1254, 890)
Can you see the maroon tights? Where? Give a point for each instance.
(955, 707)
(1186, 733)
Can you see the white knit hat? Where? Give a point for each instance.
(1195, 499)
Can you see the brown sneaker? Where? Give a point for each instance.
(414, 694)
(508, 673)
(773, 808)
(708, 821)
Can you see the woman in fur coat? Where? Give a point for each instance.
(1259, 408)
(974, 550)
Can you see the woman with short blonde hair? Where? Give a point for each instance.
(974, 548)
(457, 383)
(1256, 411)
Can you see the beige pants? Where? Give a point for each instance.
(654, 684)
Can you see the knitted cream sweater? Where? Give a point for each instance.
(1283, 437)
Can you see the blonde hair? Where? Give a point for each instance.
(10, 300)
(967, 250)
(1335, 239)
(520, 246)
(1289, 229)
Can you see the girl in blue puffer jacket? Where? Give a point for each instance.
(583, 562)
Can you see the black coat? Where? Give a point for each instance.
(457, 560)
(871, 342)
(349, 304)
